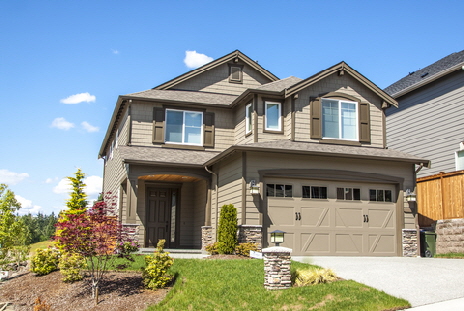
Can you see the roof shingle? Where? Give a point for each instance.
(185, 96)
(427, 73)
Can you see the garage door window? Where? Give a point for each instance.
(349, 194)
(378, 195)
(279, 191)
(314, 192)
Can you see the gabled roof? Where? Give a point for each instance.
(340, 69)
(326, 150)
(424, 76)
(279, 86)
(235, 55)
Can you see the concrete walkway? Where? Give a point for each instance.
(421, 281)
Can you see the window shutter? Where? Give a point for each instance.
(316, 124)
(158, 125)
(364, 123)
(208, 129)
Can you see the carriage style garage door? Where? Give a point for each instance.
(333, 218)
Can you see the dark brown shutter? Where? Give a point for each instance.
(364, 123)
(316, 124)
(208, 129)
(158, 125)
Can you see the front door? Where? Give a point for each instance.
(160, 216)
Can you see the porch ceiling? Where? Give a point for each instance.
(169, 178)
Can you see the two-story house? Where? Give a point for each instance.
(307, 157)
(429, 119)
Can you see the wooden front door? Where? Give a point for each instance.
(158, 215)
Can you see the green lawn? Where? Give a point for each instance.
(450, 255)
(203, 284)
(42, 245)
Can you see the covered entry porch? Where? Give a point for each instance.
(166, 204)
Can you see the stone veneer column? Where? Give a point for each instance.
(450, 236)
(206, 236)
(277, 268)
(250, 233)
(410, 243)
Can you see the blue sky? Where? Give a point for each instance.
(64, 63)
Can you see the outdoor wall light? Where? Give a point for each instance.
(277, 237)
(410, 196)
(254, 188)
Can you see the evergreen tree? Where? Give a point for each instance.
(227, 231)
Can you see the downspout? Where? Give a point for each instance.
(419, 168)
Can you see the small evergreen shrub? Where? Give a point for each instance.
(212, 248)
(45, 261)
(156, 267)
(312, 277)
(71, 266)
(227, 230)
(243, 249)
(41, 305)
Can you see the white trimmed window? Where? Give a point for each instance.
(184, 127)
(339, 119)
(459, 160)
(273, 116)
(249, 118)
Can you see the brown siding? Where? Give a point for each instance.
(216, 80)
(343, 84)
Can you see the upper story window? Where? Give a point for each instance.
(273, 116)
(184, 127)
(235, 73)
(339, 119)
(249, 118)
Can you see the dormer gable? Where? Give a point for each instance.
(231, 74)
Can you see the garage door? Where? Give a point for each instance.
(328, 218)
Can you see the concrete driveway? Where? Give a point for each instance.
(421, 281)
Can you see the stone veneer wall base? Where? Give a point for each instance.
(450, 236)
(410, 246)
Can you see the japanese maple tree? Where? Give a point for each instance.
(99, 237)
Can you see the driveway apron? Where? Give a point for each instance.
(421, 281)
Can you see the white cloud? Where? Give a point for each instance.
(115, 51)
(12, 178)
(94, 185)
(50, 180)
(64, 186)
(89, 128)
(27, 206)
(62, 124)
(78, 98)
(194, 60)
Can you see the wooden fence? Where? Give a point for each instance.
(440, 196)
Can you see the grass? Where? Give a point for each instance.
(450, 255)
(41, 245)
(238, 285)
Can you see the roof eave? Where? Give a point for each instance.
(228, 151)
(215, 63)
(428, 80)
(249, 92)
(157, 163)
(172, 101)
(119, 103)
(347, 69)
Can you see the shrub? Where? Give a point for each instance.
(71, 266)
(45, 261)
(212, 248)
(40, 305)
(243, 249)
(155, 272)
(227, 230)
(313, 277)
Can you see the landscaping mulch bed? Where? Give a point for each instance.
(119, 291)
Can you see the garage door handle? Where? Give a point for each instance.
(366, 218)
(297, 216)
